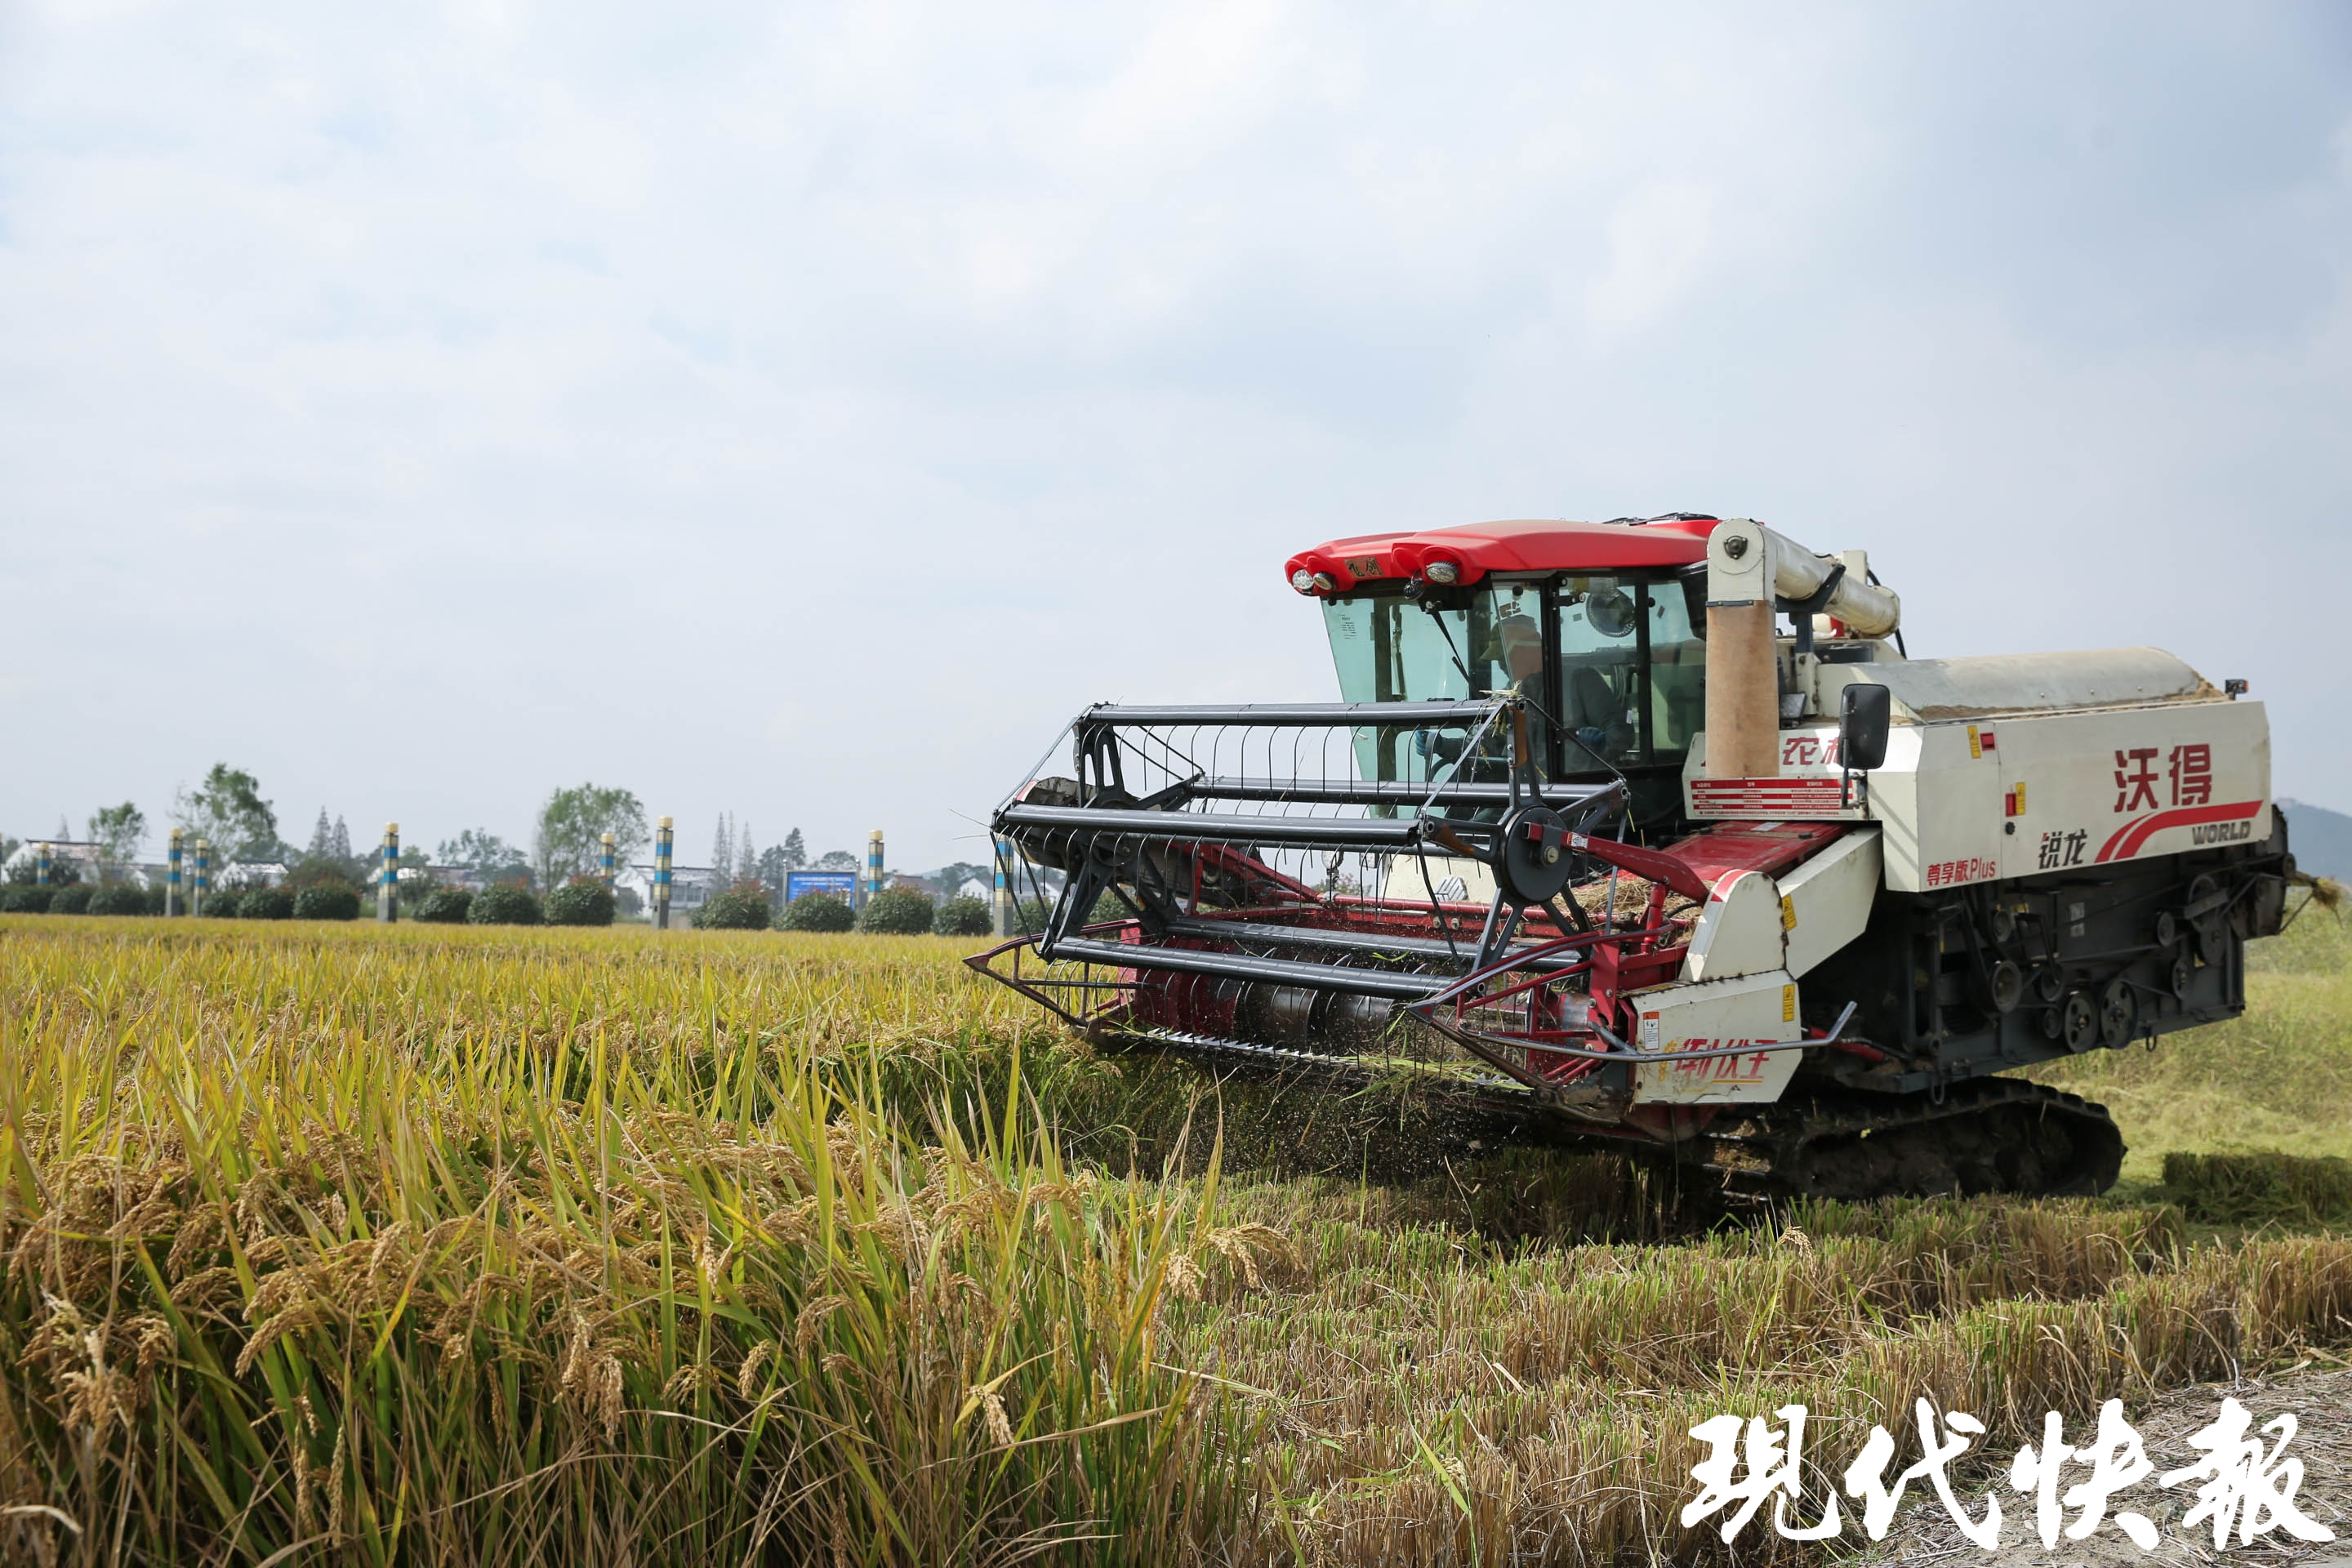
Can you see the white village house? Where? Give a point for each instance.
(82, 854)
(689, 886)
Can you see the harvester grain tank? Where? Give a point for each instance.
(1595, 840)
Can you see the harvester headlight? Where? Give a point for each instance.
(1442, 573)
(1307, 582)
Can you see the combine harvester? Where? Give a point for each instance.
(1594, 847)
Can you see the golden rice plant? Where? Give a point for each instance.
(463, 1251)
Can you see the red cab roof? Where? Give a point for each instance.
(1534, 544)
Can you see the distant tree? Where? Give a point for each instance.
(486, 855)
(722, 849)
(227, 810)
(836, 860)
(773, 870)
(796, 850)
(315, 871)
(118, 831)
(572, 826)
(9, 845)
(961, 916)
(329, 854)
(747, 864)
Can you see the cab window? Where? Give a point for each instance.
(1632, 672)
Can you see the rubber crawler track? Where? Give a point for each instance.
(1991, 1135)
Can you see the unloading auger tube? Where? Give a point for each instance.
(1597, 852)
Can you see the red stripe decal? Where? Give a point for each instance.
(2128, 839)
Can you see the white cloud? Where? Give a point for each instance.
(867, 387)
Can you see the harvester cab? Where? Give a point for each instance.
(1592, 843)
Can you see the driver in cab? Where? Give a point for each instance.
(1594, 712)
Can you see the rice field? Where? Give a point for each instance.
(327, 1244)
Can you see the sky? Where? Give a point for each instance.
(802, 412)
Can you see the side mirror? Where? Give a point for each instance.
(1865, 714)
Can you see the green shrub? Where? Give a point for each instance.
(25, 898)
(583, 901)
(118, 899)
(504, 905)
(319, 871)
(327, 901)
(224, 904)
(71, 900)
(1030, 915)
(444, 905)
(156, 894)
(817, 911)
(896, 912)
(743, 907)
(1108, 906)
(962, 917)
(265, 904)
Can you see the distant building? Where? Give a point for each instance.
(691, 887)
(83, 856)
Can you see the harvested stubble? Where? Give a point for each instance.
(1425, 1403)
(464, 1246)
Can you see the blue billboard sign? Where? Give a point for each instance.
(842, 884)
